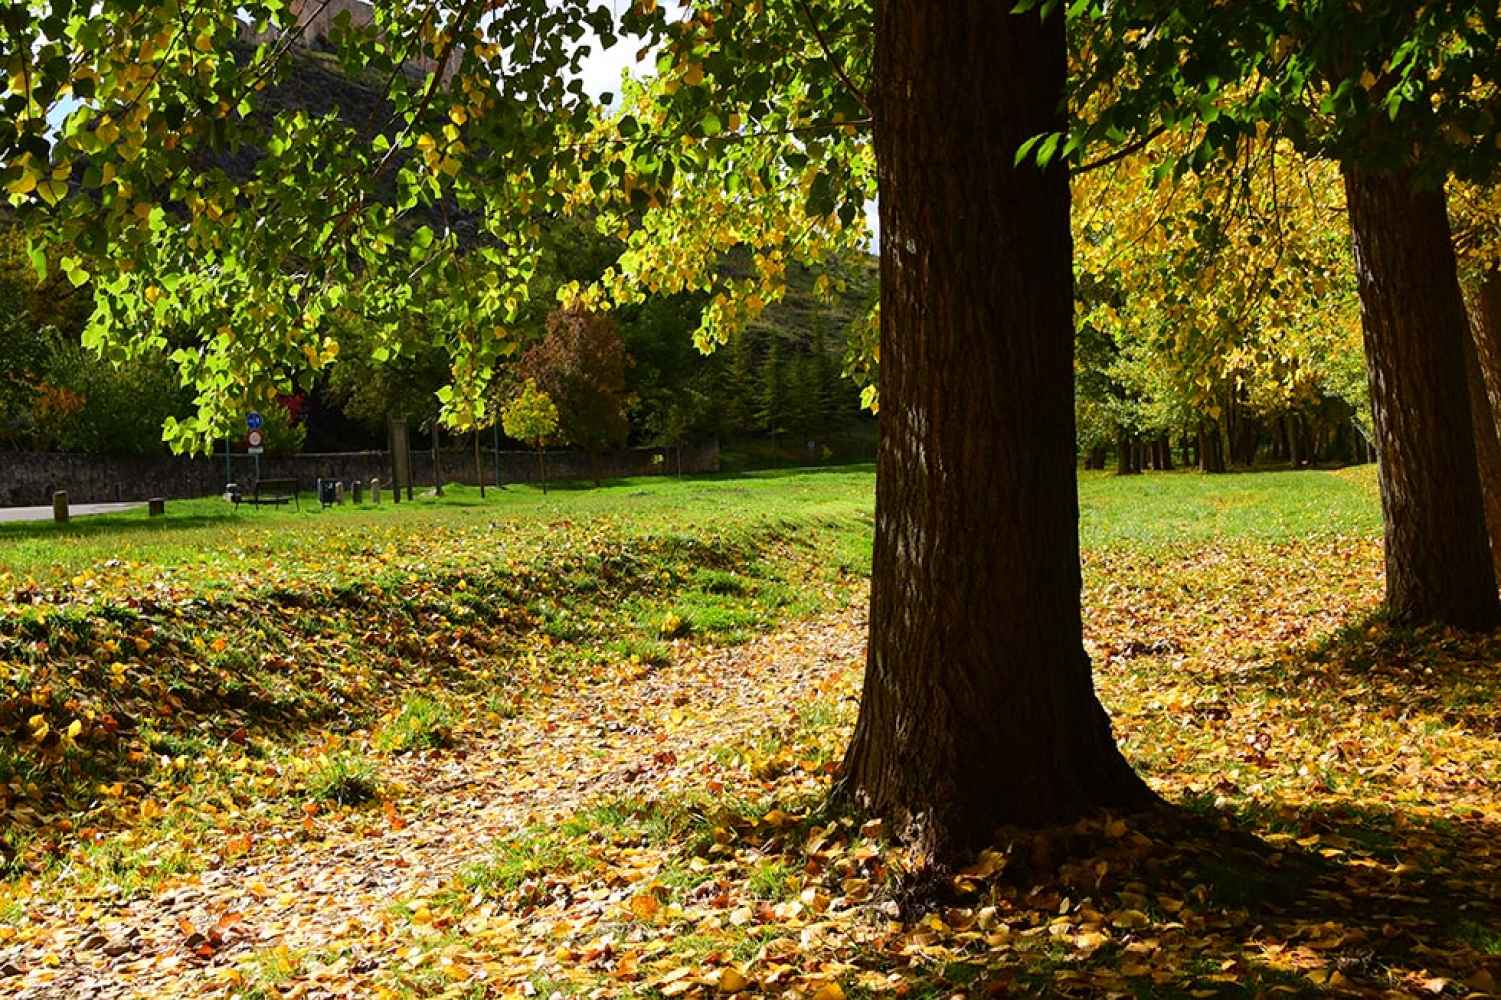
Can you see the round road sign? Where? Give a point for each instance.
(255, 439)
(253, 421)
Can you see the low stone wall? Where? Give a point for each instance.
(30, 478)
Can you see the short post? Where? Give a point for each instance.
(375, 490)
(60, 506)
(359, 492)
(339, 493)
(156, 507)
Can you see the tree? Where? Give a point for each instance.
(581, 366)
(1476, 212)
(531, 416)
(1401, 97)
(978, 708)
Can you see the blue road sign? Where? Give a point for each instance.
(253, 421)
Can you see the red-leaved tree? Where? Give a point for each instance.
(581, 365)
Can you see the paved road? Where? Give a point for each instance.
(76, 510)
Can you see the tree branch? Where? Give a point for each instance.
(1122, 153)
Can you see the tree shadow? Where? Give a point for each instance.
(1369, 660)
(1286, 899)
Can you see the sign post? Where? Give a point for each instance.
(255, 440)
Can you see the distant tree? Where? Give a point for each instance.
(531, 416)
(741, 384)
(774, 398)
(580, 364)
(404, 386)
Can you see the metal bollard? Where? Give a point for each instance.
(375, 490)
(60, 506)
(359, 492)
(156, 507)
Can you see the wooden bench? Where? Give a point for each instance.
(272, 492)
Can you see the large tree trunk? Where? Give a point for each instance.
(1438, 566)
(1485, 322)
(979, 710)
(1486, 332)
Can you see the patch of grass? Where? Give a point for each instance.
(1484, 938)
(422, 723)
(533, 854)
(343, 777)
(718, 581)
(267, 969)
(641, 650)
(771, 880)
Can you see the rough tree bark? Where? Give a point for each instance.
(1438, 566)
(1480, 351)
(979, 709)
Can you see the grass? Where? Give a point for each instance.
(1334, 777)
(343, 777)
(1185, 507)
(192, 650)
(422, 723)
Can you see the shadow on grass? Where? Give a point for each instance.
(112, 524)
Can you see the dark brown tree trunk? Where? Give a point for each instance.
(1211, 447)
(479, 469)
(1486, 325)
(1438, 566)
(1487, 335)
(1165, 454)
(437, 461)
(979, 709)
(1124, 458)
(1294, 447)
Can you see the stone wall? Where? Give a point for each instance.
(29, 478)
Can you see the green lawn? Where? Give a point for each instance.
(1165, 508)
(207, 539)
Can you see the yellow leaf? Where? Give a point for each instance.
(731, 981)
(645, 905)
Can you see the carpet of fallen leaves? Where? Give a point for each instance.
(649, 827)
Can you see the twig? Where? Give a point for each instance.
(1122, 153)
(835, 64)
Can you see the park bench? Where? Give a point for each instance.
(271, 492)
